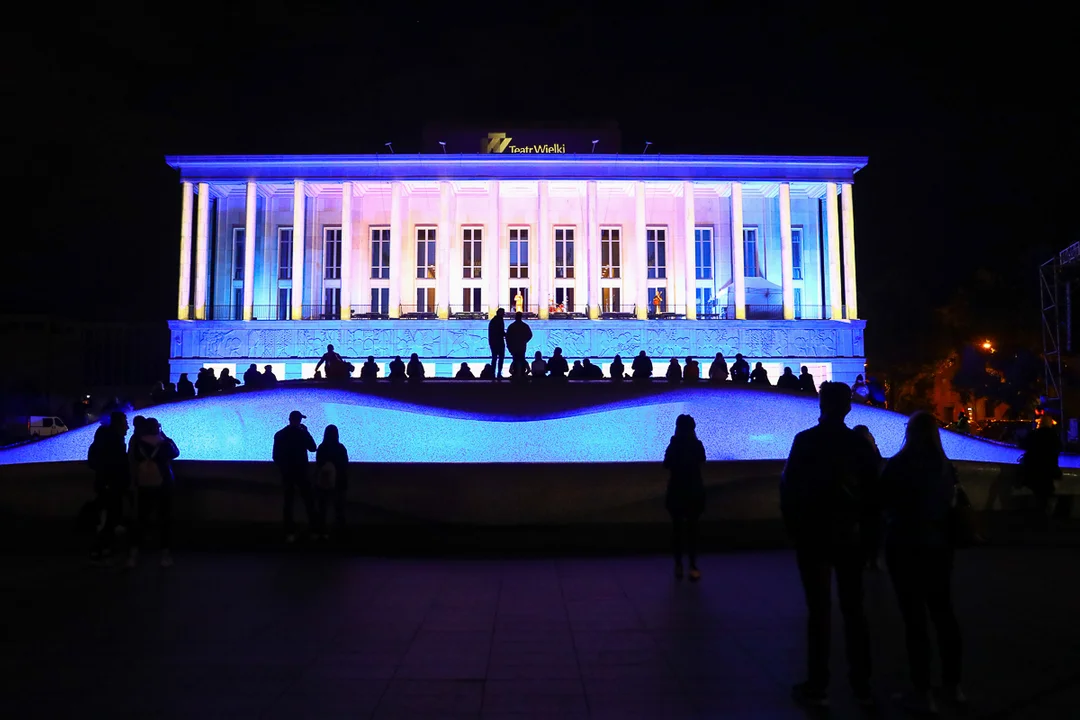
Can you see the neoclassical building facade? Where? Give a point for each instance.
(384, 255)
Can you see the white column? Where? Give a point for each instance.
(249, 249)
(832, 223)
(738, 270)
(346, 251)
(186, 211)
(396, 269)
(299, 216)
(492, 265)
(641, 254)
(442, 238)
(689, 266)
(544, 246)
(592, 253)
(850, 299)
(787, 282)
(202, 250)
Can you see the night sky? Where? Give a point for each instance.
(972, 141)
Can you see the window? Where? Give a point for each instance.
(284, 244)
(610, 257)
(564, 253)
(609, 298)
(798, 303)
(331, 303)
(564, 299)
(238, 253)
(284, 303)
(472, 252)
(425, 300)
(380, 253)
(750, 256)
(425, 253)
(380, 300)
(655, 307)
(332, 253)
(656, 242)
(238, 304)
(519, 252)
(706, 304)
(796, 253)
(524, 291)
(470, 300)
(703, 253)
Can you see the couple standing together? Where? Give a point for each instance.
(514, 338)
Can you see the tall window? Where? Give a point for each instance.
(703, 253)
(425, 253)
(514, 292)
(238, 253)
(750, 252)
(706, 304)
(238, 304)
(798, 304)
(796, 253)
(425, 300)
(331, 303)
(610, 256)
(657, 307)
(564, 299)
(470, 300)
(332, 253)
(284, 303)
(656, 242)
(380, 300)
(284, 244)
(519, 252)
(472, 254)
(610, 300)
(564, 252)
(380, 253)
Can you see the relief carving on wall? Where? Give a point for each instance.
(468, 343)
(269, 343)
(608, 343)
(668, 342)
(857, 341)
(361, 343)
(708, 342)
(764, 343)
(423, 342)
(219, 344)
(312, 343)
(574, 343)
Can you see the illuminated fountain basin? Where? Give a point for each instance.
(733, 423)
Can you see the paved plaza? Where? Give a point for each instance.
(304, 635)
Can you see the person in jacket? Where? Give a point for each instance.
(685, 496)
(760, 376)
(518, 336)
(486, 373)
(718, 371)
(497, 342)
(740, 370)
(151, 453)
(107, 457)
(227, 383)
(591, 371)
(206, 383)
(691, 371)
(269, 379)
(369, 371)
(415, 369)
(787, 380)
(291, 447)
(184, 387)
(464, 372)
(806, 381)
(332, 479)
(1039, 469)
(397, 371)
(641, 369)
(252, 377)
(674, 372)
(617, 369)
(873, 525)
(539, 367)
(918, 490)
(577, 372)
(827, 488)
(557, 366)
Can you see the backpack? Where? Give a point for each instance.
(326, 477)
(147, 472)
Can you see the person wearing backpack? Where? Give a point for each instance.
(331, 478)
(108, 459)
(151, 453)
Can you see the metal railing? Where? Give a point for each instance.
(621, 312)
(458, 312)
(369, 312)
(417, 312)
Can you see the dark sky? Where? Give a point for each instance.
(971, 136)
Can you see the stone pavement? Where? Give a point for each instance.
(302, 635)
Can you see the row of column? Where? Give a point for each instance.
(841, 294)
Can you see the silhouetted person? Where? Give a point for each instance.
(918, 490)
(291, 447)
(860, 392)
(740, 370)
(557, 366)
(464, 373)
(788, 380)
(497, 343)
(826, 490)
(227, 383)
(269, 379)
(107, 457)
(151, 453)
(369, 371)
(806, 381)
(170, 392)
(963, 424)
(641, 368)
(591, 371)
(674, 372)
(332, 479)
(415, 369)
(718, 371)
(397, 371)
(539, 367)
(577, 372)
(760, 376)
(518, 336)
(335, 364)
(206, 383)
(617, 369)
(691, 371)
(184, 387)
(1039, 469)
(873, 524)
(252, 377)
(486, 373)
(685, 498)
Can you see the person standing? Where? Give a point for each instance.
(685, 497)
(1039, 468)
(291, 447)
(919, 489)
(497, 342)
(518, 336)
(656, 301)
(519, 302)
(826, 489)
(151, 454)
(873, 525)
(107, 457)
(332, 473)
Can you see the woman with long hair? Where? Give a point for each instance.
(331, 479)
(919, 489)
(685, 498)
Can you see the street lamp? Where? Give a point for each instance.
(987, 345)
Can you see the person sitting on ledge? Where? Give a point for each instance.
(642, 368)
(397, 370)
(227, 382)
(718, 372)
(369, 371)
(557, 366)
(415, 369)
(674, 372)
(269, 379)
(760, 376)
(616, 370)
(252, 378)
(464, 373)
(577, 372)
(740, 370)
(539, 367)
(184, 388)
(592, 372)
(487, 373)
(333, 361)
(692, 371)
(787, 381)
(806, 381)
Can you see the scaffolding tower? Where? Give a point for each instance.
(1055, 275)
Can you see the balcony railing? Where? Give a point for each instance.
(369, 312)
(417, 312)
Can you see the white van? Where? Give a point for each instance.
(45, 426)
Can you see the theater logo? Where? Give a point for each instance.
(500, 142)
